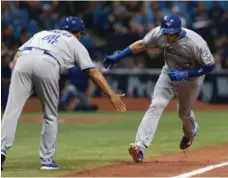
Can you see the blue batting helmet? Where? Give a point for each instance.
(171, 24)
(74, 24)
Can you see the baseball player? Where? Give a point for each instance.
(187, 60)
(77, 85)
(37, 66)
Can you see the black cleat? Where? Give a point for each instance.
(3, 158)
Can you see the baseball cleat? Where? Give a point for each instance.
(186, 142)
(51, 166)
(3, 158)
(136, 153)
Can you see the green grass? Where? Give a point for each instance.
(86, 146)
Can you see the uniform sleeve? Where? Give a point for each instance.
(204, 56)
(150, 38)
(82, 57)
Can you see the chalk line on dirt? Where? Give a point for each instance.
(201, 170)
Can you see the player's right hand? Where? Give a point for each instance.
(109, 61)
(116, 100)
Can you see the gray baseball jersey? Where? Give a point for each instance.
(37, 70)
(63, 46)
(183, 54)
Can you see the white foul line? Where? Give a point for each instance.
(201, 170)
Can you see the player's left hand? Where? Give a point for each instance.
(109, 61)
(177, 75)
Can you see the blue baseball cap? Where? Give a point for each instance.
(74, 24)
(171, 24)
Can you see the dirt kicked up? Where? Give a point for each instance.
(168, 166)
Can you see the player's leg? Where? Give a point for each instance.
(68, 94)
(83, 102)
(72, 91)
(187, 93)
(47, 89)
(164, 91)
(19, 91)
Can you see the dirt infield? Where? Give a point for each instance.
(163, 166)
(133, 104)
(168, 165)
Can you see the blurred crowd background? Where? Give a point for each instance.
(111, 26)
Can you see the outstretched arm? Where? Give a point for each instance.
(150, 39)
(137, 47)
(83, 60)
(134, 48)
(100, 81)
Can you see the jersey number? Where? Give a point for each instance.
(51, 38)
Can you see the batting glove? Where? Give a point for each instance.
(109, 61)
(177, 75)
